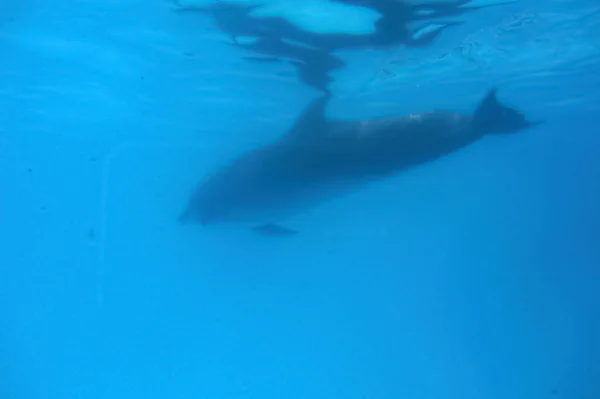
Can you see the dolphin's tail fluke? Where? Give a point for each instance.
(493, 117)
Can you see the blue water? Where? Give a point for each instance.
(476, 276)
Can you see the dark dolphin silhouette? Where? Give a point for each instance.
(319, 159)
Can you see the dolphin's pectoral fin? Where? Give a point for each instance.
(273, 230)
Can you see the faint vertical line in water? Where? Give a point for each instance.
(101, 264)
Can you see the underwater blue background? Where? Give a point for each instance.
(476, 276)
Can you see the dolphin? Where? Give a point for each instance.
(319, 159)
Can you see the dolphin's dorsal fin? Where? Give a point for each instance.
(312, 119)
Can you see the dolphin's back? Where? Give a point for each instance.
(384, 145)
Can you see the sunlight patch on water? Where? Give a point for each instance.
(427, 28)
(317, 16)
